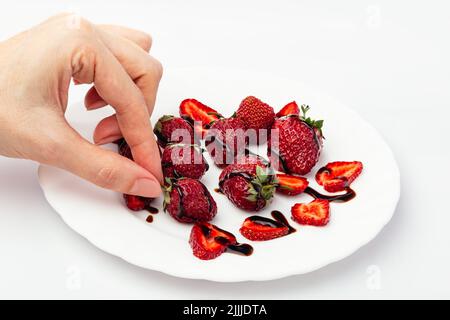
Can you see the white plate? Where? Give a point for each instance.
(101, 217)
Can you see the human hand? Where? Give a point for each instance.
(36, 69)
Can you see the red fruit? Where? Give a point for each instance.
(225, 140)
(290, 109)
(209, 241)
(248, 184)
(137, 203)
(187, 200)
(336, 176)
(315, 213)
(182, 160)
(124, 150)
(291, 185)
(170, 129)
(258, 228)
(298, 145)
(196, 112)
(255, 114)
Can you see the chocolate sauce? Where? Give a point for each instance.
(278, 221)
(278, 216)
(218, 190)
(152, 209)
(149, 218)
(349, 195)
(240, 248)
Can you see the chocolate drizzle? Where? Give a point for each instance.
(240, 248)
(347, 196)
(278, 221)
(152, 209)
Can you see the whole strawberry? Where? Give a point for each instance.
(249, 184)
(187, 200)
(225, 140)
(295, 143)
(170, 129)
(255, 114)
(183, 160)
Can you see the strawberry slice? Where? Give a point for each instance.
(137, 203)
(258, 228)
(291, 185)
(336, 176)
(195, 111)
(209, 241)
(315, 213)
(290, 109)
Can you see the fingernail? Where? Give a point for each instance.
(146, 188)
(108, 139)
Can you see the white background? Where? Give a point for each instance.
(388, 60)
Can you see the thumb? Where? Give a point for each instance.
(106, 169)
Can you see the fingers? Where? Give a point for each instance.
(145, 70)
(140, 38)
(106, 169)
(116, 87)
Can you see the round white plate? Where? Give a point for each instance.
(102, 218)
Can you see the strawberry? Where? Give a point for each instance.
(291, 185)
(209, 241)
(183, 160)
(258, 228)
(249, 184)
(336, 176)
(290, 109)
(295, 143)
(170, 129)
(187, 200)
(199, 114)
(137, 203)
(255, 114)
(225, 140)
(315, 213)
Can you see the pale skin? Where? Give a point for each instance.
(37, 67)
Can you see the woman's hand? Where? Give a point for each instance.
(36, 68)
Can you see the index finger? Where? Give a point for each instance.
(116, 87)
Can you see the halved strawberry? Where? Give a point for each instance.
(291, 185)
(315, 213)
(209, 241)
(290, 109)
(336, 176)
(258, 228)
(195, 111)
(137, 203)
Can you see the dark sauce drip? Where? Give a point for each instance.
(278, 216)
(278, 221)
(282, 162)
(152, 209)
(349, 195)
(240, 248)
(149, 218)
(218, 190)
(244, 175)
